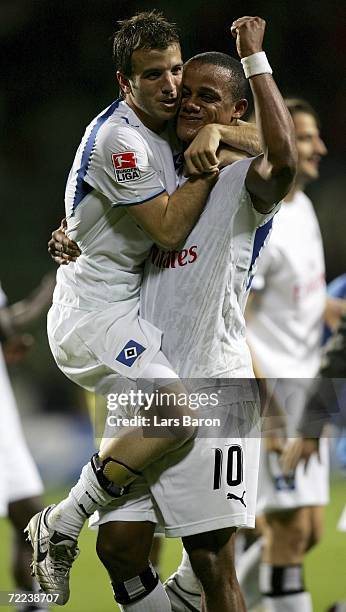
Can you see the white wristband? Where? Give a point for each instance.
(256, 63)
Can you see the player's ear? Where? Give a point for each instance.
(240, 107)
(124, 83)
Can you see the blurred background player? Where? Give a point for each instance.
(20, 483)
(326, 402)
(284, 328)
(327, 405)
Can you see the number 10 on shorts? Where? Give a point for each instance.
(232, 460)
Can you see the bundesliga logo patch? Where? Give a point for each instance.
(131, 351)
(125, 166)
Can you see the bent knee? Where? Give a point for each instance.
(121, 564)
(108, 552)
(123, 548)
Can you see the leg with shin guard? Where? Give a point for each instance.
(57, 527)
(142, 593)
(94, 490)
(113, 476)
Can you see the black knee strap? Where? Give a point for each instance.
(135, 588)
(110, 487)
(278, 581)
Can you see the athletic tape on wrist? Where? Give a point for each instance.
(257, 63)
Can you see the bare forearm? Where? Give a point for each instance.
(204, 151)
(31, 308)
(24, 312)
(185, 206)
(271, 175)
(6, 326)
(275, 126)
(14, 318)
(243, 137)
(169, 219)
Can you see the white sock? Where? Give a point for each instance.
(301, 602)
(156, 601)
(69, 516)
(340, 606)
(342, 521)
(186, 576)
(247, 568)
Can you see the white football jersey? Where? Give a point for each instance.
(285, 326)
(196, 295)
(119, 163)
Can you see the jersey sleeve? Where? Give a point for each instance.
(121, 169)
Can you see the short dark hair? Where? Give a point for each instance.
(147, 30)
(237, 81)
(298, 105)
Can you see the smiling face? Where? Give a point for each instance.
(153, 90)
(309, 145)
(206, 98)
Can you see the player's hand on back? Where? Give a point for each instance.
(299, 449)
(334, 310)
(248, 32)
(61, 248)
(274, 442)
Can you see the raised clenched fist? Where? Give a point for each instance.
(249, 32)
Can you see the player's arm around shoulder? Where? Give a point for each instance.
(138, 186)
(168, 219)
(271, 174)
(218, 145)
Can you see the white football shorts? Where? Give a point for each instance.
(303, 488)
(104, 353)
(209, 483)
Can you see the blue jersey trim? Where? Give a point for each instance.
(260, 238)
(82, 188)
(337, 287)
(151, 197)
(128, 123)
